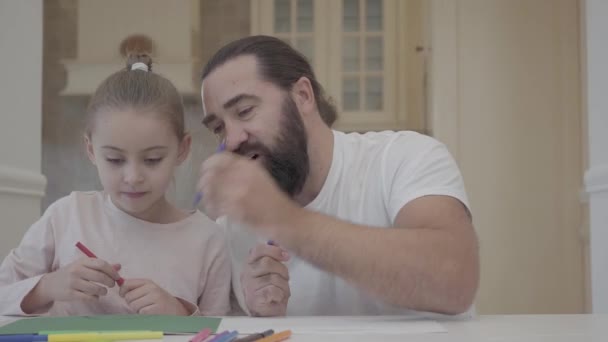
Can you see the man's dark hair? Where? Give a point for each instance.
(279, 64)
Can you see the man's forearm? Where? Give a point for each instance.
(417, 268)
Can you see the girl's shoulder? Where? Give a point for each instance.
(75, 201)
(77, 198)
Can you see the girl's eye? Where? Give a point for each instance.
(115, 161)
(152, 161)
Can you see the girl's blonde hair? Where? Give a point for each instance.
(138, 89)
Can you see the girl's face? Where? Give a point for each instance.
(135, 154)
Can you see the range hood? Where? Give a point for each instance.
(103, 25)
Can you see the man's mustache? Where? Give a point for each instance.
(245, 148)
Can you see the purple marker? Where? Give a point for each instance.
(219, 336)
(272, 243)
(199, 195)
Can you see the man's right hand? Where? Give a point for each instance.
(265, 281)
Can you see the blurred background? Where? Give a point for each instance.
(515, 88)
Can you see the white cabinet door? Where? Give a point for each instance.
(506, 99)
(362, 52)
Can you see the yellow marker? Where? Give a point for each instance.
(106, 336)
(280, 336)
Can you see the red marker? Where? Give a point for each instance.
(90, 254)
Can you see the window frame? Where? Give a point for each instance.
(397, 112)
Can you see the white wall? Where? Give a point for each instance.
(505, 98)
(21, 184)
(596, 177)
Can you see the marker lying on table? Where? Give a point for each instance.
(230, 337)
(51, 336)
(22, 338)
(63, 332)
(106, 336)
(280, 336)
(201, 336)
(90, 254)
(219, 336)
(199, 195)
(255, 337)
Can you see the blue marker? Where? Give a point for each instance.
(199, 195)
(22, 338)
(229, 337)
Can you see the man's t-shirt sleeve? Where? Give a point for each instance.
(417, 166)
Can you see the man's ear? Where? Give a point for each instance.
(89, 147)
(304, 95)
(184, 148)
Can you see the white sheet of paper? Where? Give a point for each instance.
(386, 325)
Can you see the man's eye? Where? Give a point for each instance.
(245, 112)
(218, 129)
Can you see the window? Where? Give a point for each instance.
(293, 22)
(357, 50)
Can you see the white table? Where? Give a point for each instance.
(520, 328)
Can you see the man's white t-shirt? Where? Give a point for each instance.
(372, 176)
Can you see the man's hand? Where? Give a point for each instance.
(242, 189)
(265, 281)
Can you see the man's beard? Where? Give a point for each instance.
(287, 162)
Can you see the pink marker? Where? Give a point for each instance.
(90, 254)
(201, 336)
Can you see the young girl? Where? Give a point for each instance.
(173, 262)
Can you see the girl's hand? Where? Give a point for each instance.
(145, 297)
(84, 279)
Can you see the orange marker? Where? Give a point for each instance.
(280, 336)
(90, 254)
